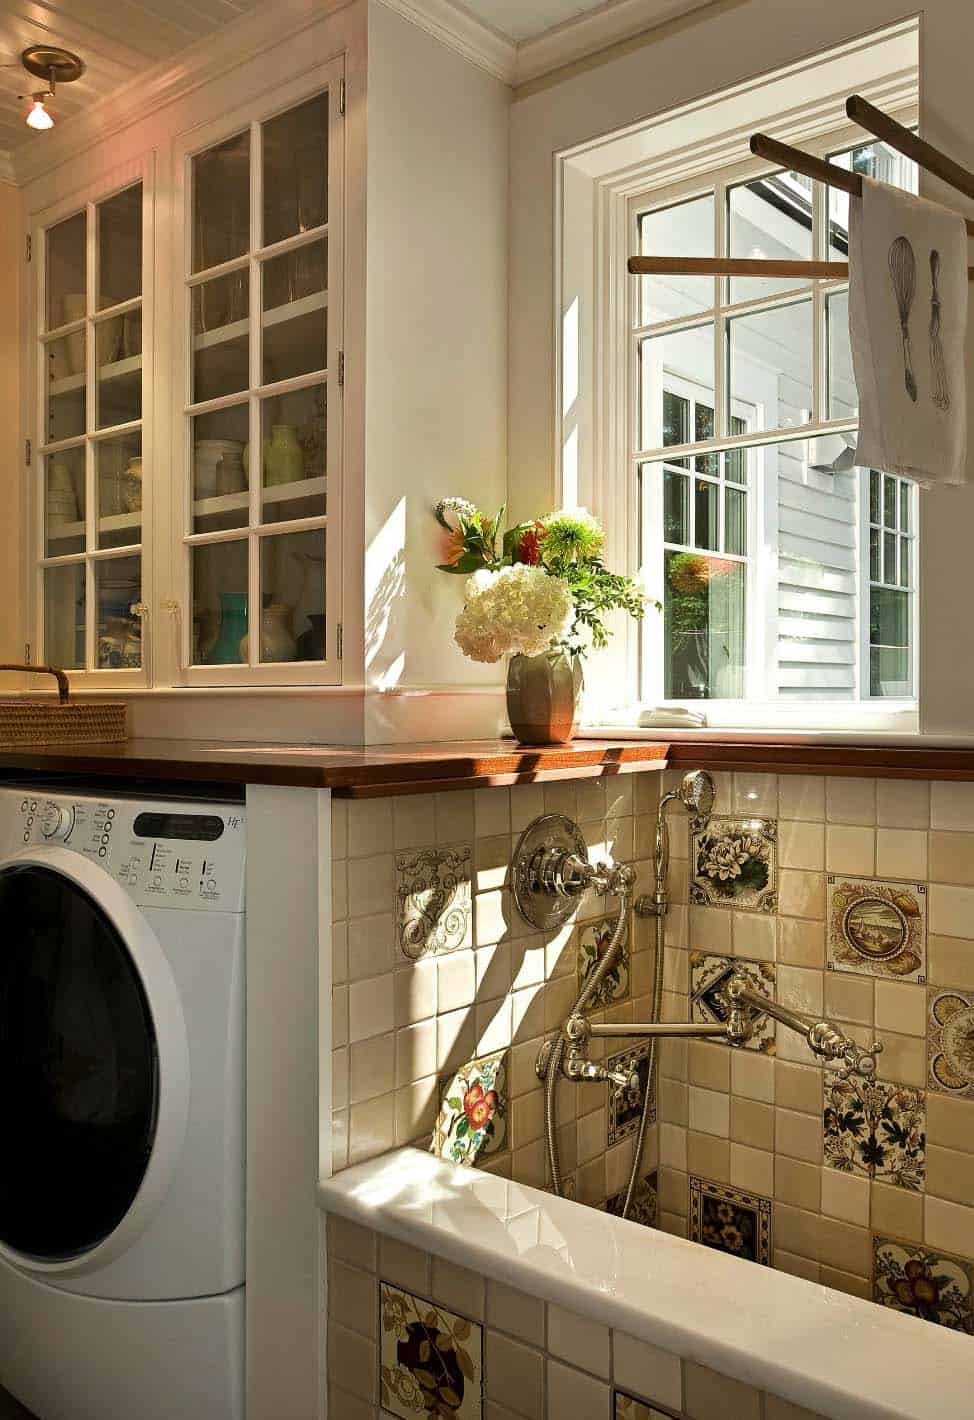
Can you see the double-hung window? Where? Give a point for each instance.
(786, 574)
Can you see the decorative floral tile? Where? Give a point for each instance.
(645, 1202)
(627, 1407)
(731, 1221)
(931, 1285)
(593, 943)
(430, 1361)
(434, 900)
(626, 1103)
(875, 1129)
(472, 1122)
(734, 863)
(708, 978)
(950, 1042)
(877, 928)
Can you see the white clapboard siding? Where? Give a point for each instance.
(817, 562)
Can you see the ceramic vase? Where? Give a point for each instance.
(130, 493)
(543, 695)
(277, 641)
(225, 650)
(283, 459)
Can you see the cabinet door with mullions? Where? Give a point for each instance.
(260, 402)
(89, 265)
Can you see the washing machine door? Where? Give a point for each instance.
(82, 1093)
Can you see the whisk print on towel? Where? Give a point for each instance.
(903, 274)
(938, 365)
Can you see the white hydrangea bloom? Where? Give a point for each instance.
(519, 609)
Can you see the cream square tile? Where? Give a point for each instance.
(560, 798)
(371, 881)
(415, 1052)
(801, 845)
(801, 894)
(709, 1112)
(515, 1312)
(708, 1157)
(371, 1009)
(339, 1079)
(351, 1242)
(492, 862)
(646, 1370)
(527, 804)
(951, 909)
(901, 853)
(455, 1039)
(413, 820)
(570, 1392)
(798, 1184)
(800, 989)
(950, 1122)
(709, 1065)
(798, 1087)
(849, 998)
(708, 1394)
(351, 1362)
(801, 796)
(415, 991)
(577, 1338)
(851, 800)
(416, 1109)
(952, 806)
(797, 1231)
(590, 800)
(371, 944)
(456, 981)
(903, 1058)
(796, 1267)
(369, 827)
(339, 890)
(404, 1265)
(752, 1076)
(756, 794)
(950, 1175)
(850, 850)
(948, 1225)
(339, 953)
(494, 1024)
(903, 803)
(372, 1066)
(952, 858)
(339, 828)
(901, 1008)
(514, 1376)
(339, 1139)
(454, 816)
(801, 943)
(798, 1136)
(339, 1016)
(458, 1288)
(357, 1290)
(752, 1169)
(846, 1197)
(492, 812)
(371, 1128)
(896, 1212)
(710, 930)
(492, 916)
(752, 1123)
(754, 935)
(620, 796)
(673, 1147)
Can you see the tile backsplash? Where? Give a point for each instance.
(844, 897)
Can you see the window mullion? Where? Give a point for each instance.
(819, 334)
(721, 423)
(255, 473)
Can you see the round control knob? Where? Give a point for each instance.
(56, 822)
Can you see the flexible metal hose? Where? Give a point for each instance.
(553, 1065)
(650, 1092)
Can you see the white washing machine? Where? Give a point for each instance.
(121, 1106)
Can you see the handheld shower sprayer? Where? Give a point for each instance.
(697, 794)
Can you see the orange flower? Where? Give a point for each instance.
(454, 547)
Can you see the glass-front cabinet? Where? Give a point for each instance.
(87, 454)
(260, 382)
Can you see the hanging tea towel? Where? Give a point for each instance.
(907, 324)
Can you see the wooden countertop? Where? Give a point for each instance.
(349, 773)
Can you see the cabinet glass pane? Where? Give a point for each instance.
(296, 170)
(118, 584)
(219, 603)
(118, 379)
(120, 248)
(771, 365)
(221, 336)
(686, 229)
(221, 202)
(769, 217)
(66, 393)
(64, 616)
(295, 313)
(292, 579)
(64, 502)
(294, 431)
(687, 355)
(220, 459)
(66, 271)
(118, 466)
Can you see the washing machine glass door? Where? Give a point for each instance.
(79, 1077)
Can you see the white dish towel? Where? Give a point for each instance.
(907, 325)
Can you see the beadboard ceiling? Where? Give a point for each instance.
(117, 39)
(522, 20)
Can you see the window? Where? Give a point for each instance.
(785, 573)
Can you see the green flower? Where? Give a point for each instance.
(574, 536)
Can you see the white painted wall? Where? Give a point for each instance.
(436, 341)
(699, 55)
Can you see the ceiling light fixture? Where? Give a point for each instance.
(57, 66)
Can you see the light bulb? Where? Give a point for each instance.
(39, 116)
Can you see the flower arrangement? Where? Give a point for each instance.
(545, 587)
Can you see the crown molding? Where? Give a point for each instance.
(612, 23)
(7, 173)
(463, 32)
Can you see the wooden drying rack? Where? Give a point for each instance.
(874, 121)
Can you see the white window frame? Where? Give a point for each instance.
(252, 116)
(88, 199)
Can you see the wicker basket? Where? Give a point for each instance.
(62, 722)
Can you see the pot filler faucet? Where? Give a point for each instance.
(552, 873)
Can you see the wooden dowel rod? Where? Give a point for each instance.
(743, 266)
(817, 168)
(924, 154)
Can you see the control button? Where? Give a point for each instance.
(103, 852)
(157, 881)
(111, 813)
(26, 837)
(184, 883)
(23, 807)
(104, 838)
(210, 884)
(57, 821)
(33, 805)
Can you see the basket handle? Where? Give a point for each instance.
(59, 676)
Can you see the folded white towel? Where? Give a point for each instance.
(907, 323)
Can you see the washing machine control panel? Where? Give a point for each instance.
(164, 854)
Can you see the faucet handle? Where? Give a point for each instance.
(856, 1061)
